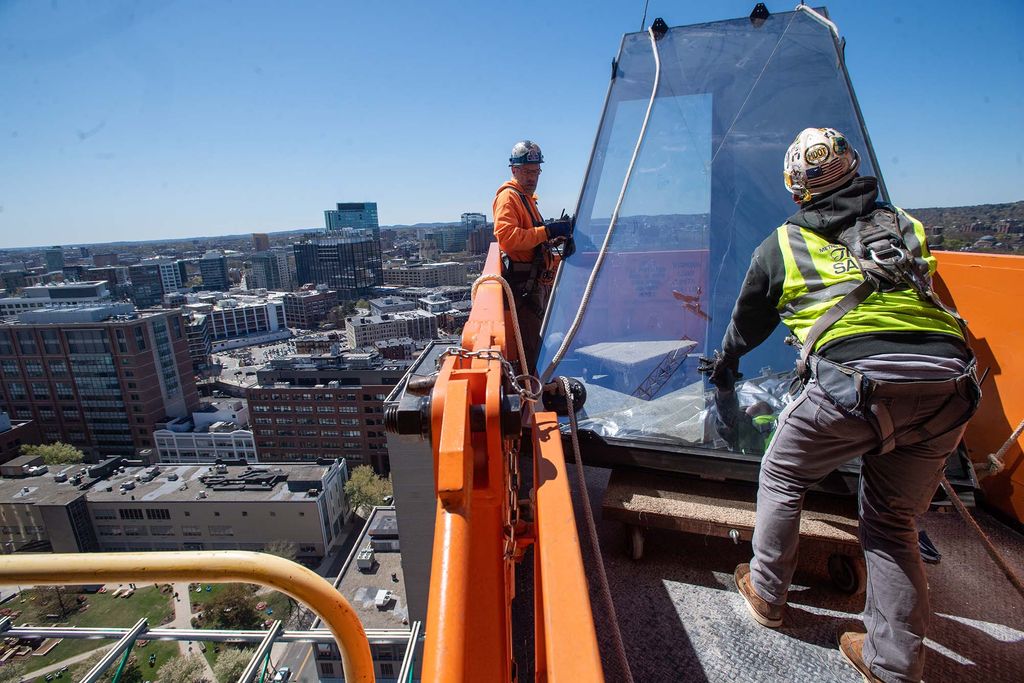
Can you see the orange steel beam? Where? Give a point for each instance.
(444, 657)
(228, 566)
(472, 583)
(565, 639)
(981, 287)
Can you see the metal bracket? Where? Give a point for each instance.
(759, 15)
(659, 27)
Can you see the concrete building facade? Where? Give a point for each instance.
(183, 507)
(426, 275)
(364, 331)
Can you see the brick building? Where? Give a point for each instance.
(97, 377)
(307, 407)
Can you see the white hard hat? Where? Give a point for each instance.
(525, 152)
(818, 161)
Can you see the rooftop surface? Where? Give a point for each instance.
(44, 489)
(360, 587)
(682, 619)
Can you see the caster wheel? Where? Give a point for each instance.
(848, 574)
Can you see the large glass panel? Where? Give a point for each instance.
(705, 190)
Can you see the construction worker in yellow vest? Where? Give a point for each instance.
(888, 378)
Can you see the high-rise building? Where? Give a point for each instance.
(200, 343)
(54, 259)
(170, 273)
(213, 268)
(99, 377)
(147, 284)
(348, 261)
(358, 215)
(270, 271)
(304, 408)
(479, 234)
(260, 241)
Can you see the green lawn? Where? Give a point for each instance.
(277, 603)
(103, 610)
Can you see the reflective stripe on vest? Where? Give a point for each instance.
(820, 272)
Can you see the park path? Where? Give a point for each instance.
(182, 620)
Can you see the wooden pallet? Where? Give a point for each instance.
(644, 500)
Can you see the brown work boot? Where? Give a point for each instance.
(764, 613)
(851, 645)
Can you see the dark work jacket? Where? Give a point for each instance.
(756, 314)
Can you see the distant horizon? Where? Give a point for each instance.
(394, 226)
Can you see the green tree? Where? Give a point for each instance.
(231, 663)
(131, 673)
(362, 303)
(11, 672)
(190, 669)
(54, 600)
(234, 608)
(57, 453)
(282, 548)
(365, 488)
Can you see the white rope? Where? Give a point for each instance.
(533, 388)
(611, 226)
(995, 460)
(595, 544)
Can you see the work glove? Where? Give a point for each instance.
(722, 370)
(568, 248)
(559, 227)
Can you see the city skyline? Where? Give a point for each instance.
(159, 122)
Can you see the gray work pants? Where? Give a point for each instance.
(813, 438)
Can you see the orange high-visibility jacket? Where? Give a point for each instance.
(514, 225)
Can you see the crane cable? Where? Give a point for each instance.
(588, 290)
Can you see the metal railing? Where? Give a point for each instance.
(300, 583)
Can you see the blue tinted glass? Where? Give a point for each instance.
(705, 190)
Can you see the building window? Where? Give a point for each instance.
(109, 530)
(161, 530)
(103, 513)
(222, 530)
(158, 513)
(191, 531)
(130, 513)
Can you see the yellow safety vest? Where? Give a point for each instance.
(819, 273)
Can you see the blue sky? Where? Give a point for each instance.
(148, 120)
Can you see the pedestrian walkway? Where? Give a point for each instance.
(183, 620)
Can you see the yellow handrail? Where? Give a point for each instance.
(228, 566)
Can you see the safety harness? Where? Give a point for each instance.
(887, 264)
(526, 277)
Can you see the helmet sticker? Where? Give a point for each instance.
(817, 154)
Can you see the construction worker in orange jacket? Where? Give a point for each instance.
(525, 240)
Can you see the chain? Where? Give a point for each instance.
(513, 479)
(530, 393)
(512, 519)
